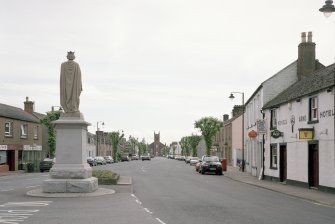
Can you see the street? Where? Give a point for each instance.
(165, 191)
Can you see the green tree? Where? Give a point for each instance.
(133, 142)
(47, 121)
(115, 138)
(185, 145)
(208, 127)
(194, 141)
(142, 147)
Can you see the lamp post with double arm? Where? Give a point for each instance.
(97, 133)
(232, 97)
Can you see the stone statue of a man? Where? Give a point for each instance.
(70, 84)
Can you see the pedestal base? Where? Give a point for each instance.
(70, 185)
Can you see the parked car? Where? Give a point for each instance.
(109, 159)
(91, 161)
(100, 160)
(145, 157)
(193, 161)
(125, 158)
(134, 157)
(211, 164)
(47, 164)
(187, 159)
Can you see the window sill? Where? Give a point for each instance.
(313, 122)
(8, 136)
(24, 137)
(273, 168)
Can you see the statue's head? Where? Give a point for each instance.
(70, 55)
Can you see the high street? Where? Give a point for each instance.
(164, 191)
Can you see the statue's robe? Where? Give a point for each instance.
(70, 86)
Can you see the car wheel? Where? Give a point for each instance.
(202, 172)
(219, 173)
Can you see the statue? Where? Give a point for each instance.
(70, 84)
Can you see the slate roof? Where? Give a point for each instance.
(16, 113)
(317, 81)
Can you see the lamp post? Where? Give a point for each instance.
(97, 144)
(328, 8)
(232, 97)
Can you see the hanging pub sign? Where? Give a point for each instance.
(306, 133)
(276, 134)
(252, 134)
(261, 129)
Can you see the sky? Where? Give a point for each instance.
(153, 65)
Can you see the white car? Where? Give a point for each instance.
(100, 160)
(194, 161)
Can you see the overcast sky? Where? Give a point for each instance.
(153, 65)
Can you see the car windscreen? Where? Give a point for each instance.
(211, 159)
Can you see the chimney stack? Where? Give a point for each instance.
(29, 106)
(225, 117)
(306, 56)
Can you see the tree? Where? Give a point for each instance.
(208, 127)
(185, 145)
(142, 147)
(133, 142)
(115, 138)
(47, 121)
(194, 141)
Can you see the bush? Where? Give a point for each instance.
(106, 177)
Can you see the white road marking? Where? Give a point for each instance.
(138, 202)
(33, 186)
(35, 178)
(147, 210)
(26, 203)
(160, 221)
(8, 189)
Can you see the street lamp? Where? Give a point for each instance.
(97, 144)
(233, 97)
(328, 8)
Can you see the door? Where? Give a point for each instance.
(313, 165)
(283, 163)
(11, 160)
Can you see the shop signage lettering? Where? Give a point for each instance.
(302, 118)
(283, 122)
(3, 147)
(327, 113)
(276, 134)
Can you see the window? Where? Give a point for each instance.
(24, 130)
(273, 124)
(313, 109)
(36, 132)
(273, 156)
(8, 128)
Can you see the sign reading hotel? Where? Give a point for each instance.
(307, 133)
(3, 147)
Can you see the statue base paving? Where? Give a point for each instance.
(70, 185)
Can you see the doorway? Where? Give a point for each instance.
(313, 165)
(282, 163)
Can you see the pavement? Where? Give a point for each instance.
(311, 195)
(318, 197)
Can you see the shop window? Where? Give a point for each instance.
(3, 157)
(8, 129)
(24, 131)
(273, 124)
(273, 156)
(35, 132)
(313, 109)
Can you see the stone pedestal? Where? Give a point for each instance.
(71, 172)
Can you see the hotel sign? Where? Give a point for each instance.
(276, 134)
(306, 133)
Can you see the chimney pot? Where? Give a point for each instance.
(303, 37)
(310, 37)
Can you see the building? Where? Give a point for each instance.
(91, 145)
(299, 145)
(269, 89)
(20, 137)
(103, 144)
(156, 148)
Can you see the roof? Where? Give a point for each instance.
(317, 81)
(16, 113)
(39, 115)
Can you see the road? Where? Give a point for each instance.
(175, 193)
(165, 192)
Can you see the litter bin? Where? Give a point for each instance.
(224, 164)
(30, 167)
